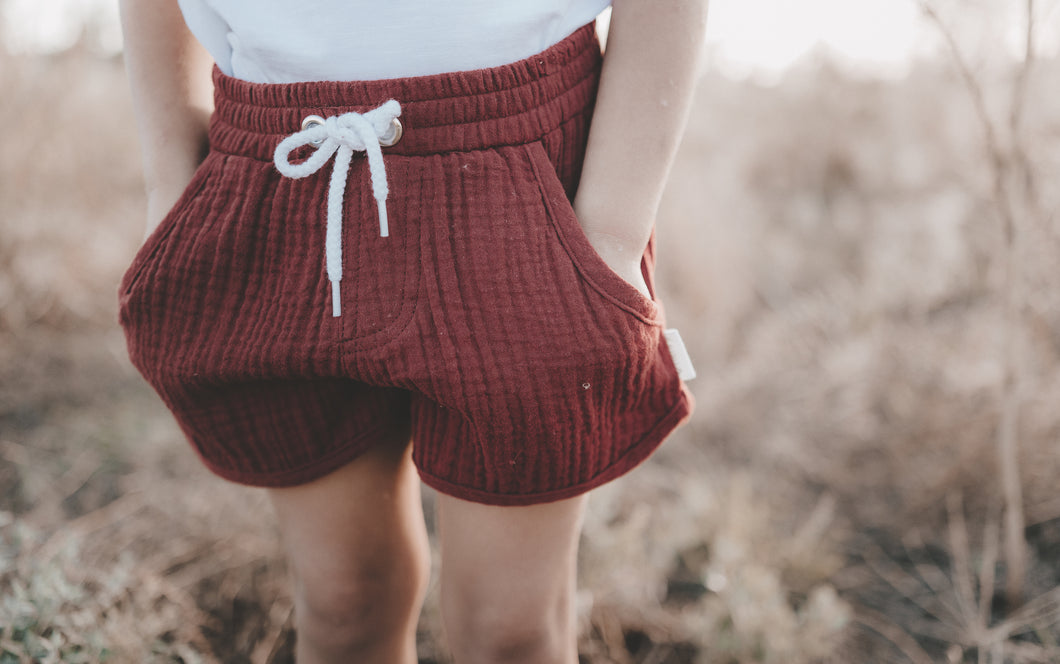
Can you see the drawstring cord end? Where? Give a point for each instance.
(336, 306)
(384, 226)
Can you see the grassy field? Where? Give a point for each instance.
(866, 279)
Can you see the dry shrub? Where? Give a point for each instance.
(69, 191)
(56, 609)
(863, 319)
(706, 570)
(868, 334)
(841, 262)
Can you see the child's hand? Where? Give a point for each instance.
(161, 199)
(159, 203)
(622, 257)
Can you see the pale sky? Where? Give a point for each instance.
(770, 35)
(745, 37)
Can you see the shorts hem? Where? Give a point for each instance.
(632, 458)
(289, 478)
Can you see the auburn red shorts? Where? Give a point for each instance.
(469, 305)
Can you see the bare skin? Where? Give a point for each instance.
(355, 538)
(649, 74)
(508, 581)
(169, 74)
(358, 552)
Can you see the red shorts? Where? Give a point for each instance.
(528, 370)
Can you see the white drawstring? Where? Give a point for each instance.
(340, 135)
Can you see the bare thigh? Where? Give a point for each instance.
(357, 547)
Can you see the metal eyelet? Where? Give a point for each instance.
(313, 121)
(392, 136)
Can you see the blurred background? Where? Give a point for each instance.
(859, 244)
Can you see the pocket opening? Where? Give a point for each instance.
(159, 236)
(590, 265)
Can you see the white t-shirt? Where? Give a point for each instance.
(283, 41)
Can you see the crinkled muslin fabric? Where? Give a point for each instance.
(527, 369)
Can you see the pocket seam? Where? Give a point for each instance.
(648, 311)
(158, 238)
(412, 277)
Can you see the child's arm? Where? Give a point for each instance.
(650, 68)
(166, 69)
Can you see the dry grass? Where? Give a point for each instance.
(831, 252)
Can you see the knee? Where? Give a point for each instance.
(361, 609)
(532, 641)
(510, 636)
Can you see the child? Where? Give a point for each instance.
(380, 246)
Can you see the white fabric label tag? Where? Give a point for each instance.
(685, 370)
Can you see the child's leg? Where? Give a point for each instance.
(508, 580)
(359, 554)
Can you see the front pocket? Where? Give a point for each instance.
(381, 274)
(592, 268)
(158, 238)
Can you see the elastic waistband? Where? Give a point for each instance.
(469, 110)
